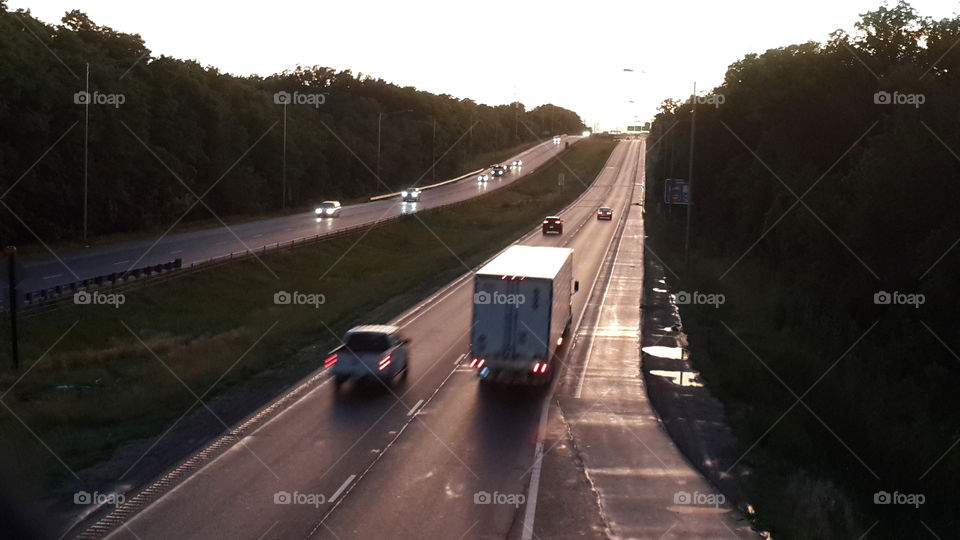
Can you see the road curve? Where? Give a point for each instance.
(60, 268)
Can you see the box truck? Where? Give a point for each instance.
(521, 313)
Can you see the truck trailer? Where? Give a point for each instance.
(521, 313)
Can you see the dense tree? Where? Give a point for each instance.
(166, 131)
(879, 213)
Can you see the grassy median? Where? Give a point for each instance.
(94, 377)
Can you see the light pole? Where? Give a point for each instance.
(11, 252)
(380, 116)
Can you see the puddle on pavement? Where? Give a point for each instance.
(679, 378)
(671, 353)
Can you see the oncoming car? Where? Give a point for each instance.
(410, 195)
(498, 170)
(556, 139)
(517, 163)
(328, 209)
(483, 177)
(372, 351)
(552, 224)
(605, 213)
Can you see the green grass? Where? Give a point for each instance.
(200, 324)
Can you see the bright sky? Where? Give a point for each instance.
(572, 54)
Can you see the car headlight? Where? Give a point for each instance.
(318, 211)
(329, 210)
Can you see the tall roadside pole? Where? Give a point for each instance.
(283, 173)
(11, 252)
(693, 127)
(86, 152)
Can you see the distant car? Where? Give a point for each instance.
(410, 195)
(556, 139)
(605, 213)
(328, 209)
(374, 351)
(552, 224)
(497, 170)
(483, 177)
(518, 163)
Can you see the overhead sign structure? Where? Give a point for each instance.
(676, 191)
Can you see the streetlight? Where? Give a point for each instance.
(380, 116)
(11, 253)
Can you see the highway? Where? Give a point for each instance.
(60, 268)
(411, 461)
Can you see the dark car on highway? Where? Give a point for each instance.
(605, 213)
(552, 224)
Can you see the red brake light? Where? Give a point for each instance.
(536, 367)
(384, 362)
(331, 360)
(546, 221)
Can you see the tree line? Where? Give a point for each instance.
(832, 170)
(163, 132)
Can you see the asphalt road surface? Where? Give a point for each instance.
(437, 456)
(60, 268)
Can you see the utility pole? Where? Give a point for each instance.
(693, 127)
(283, 195)
(86, 154)
(379, 128)
(11, 252)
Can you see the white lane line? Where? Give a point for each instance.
(342, 487)
(534, 489)
(125, 261)
(257, 235)
(174, 252)
(52, 276)
(413, 410)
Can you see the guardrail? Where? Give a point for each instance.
(52, 302)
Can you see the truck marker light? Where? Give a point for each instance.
(384, 362)
(481, 363)
(331, 360)
(473, 362)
